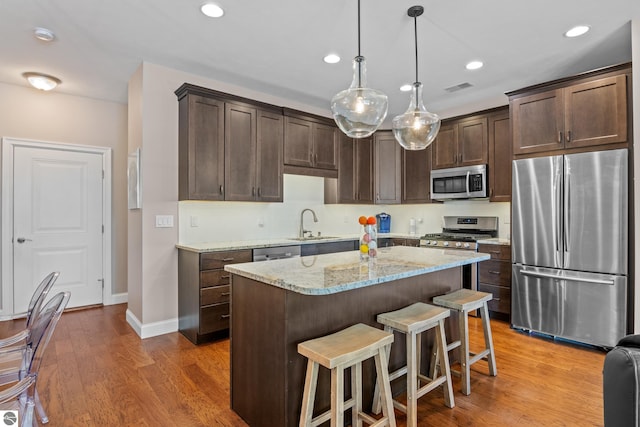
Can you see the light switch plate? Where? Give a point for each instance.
(164, 221)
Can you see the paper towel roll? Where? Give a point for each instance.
(412, 227)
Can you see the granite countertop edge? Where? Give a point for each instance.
(291, 274)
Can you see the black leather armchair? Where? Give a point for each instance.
(621, 383)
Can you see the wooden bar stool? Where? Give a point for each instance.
(413, 321)
(463, 301)
(339, 351)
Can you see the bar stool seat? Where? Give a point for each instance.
(413, 321)
(337, 352)
(463, 301)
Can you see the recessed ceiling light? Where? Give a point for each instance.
(212, 10)
(42, 81)
(406, 87)
(332, 58)
(44, 34)
(474, 65)
(578, 30)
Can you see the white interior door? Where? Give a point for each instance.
(57, 223)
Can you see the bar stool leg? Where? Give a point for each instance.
(463, 320)
(412, 380)
(442, 354)
(356, 391)
(337, 396)
(488, 339)
(377, 403)
(309, 394)
(384, 385)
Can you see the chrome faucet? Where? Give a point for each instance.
(302, 230)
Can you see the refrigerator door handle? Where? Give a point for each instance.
(575, 279)
(567, 210)
(558, 214)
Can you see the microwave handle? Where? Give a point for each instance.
(468, 175)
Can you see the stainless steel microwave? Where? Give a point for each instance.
(466, 182)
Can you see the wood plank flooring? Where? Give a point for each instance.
(98, 372)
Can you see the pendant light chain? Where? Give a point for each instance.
(415, 23)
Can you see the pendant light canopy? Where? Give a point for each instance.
(416, 128)
(359, 111)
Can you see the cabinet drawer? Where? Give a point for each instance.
(214, 278)
(501, 301)
(214, 318)
(495, 272)
(214, 295)
(496, 251)
(211, 260)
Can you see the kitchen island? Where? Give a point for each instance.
(276, 305)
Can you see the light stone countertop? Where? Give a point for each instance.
(339, 272)
(265, 243)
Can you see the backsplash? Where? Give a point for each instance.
(233, 221)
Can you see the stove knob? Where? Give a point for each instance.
(467, 246)
(445, 243)
(458, 244)
(433, 242)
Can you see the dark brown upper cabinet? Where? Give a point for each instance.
(416, 176)
(500, 157)
(310, 145)
(460, 142)
(387, 168)
(230, 148)
(586, 111)
(355, 173)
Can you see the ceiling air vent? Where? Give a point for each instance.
(458, 87)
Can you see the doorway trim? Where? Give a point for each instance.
(6, 233)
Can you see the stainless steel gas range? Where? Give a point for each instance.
(463, 233)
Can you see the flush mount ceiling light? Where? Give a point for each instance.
(332, 58)
(474, 65)
(416, 128)
(359, 111)
(44, 34)
(42, 81)
(212, 10)
(577, 31)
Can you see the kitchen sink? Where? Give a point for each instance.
(307, 239)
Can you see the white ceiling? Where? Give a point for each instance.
(277, 47)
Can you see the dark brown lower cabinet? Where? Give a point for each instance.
(494, 276)
(204, 292)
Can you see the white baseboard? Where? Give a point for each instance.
(151, 329)
(120, 298)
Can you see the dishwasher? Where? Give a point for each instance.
(278, 252)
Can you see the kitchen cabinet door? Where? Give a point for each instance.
(416, 176)
(240, 156)
(310, 146)
(387, 168)
(298, 142)
(325, 143)
(538, 122)
(269, 156)
(596, 112)
(201, 148)
(445, 147)
(355, 178)
(500, 158)
(472, 142)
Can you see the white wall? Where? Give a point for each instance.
(54, 117)
(233, 221)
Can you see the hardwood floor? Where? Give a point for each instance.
(98, 372)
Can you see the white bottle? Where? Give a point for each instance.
(412, 227)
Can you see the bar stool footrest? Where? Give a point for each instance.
(480, 356)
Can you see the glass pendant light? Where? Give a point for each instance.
(416, 128)
(359, 111)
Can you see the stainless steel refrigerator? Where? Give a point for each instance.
(570, 247)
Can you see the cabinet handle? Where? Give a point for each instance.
(377, 196)
(221, 189)
(460, 158)
(494, 252)
(253, 191)
(496, 299)
(315, 158)
(225, 316)
(568, 136)
(227, 259)
(259, 195)
(560, 136)
(226, 277)
(494, 272)
(225, 294)
(491, 193)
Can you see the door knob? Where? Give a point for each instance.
(22, 240)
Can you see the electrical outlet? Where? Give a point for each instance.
(193, 221)
(260, 222)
